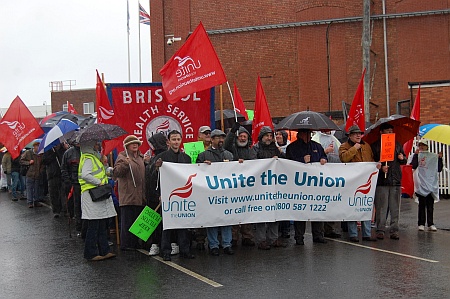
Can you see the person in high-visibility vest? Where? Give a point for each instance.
(91, 174)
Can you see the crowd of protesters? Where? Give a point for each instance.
(68, 172)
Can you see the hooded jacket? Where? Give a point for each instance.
(239, 152)
(263, 150)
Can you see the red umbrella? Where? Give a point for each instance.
(405, 128)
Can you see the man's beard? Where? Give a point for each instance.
(241, 144)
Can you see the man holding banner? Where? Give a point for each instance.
(216, 153)
(307, 151)
(173, 154)
(356, 150)
(388, 190)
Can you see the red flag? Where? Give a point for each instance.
(194, 67)
(356, 115)
(415, 114)
(239, 106)
(105, 114)
(71, 109)
(18, 127)
(262, 114)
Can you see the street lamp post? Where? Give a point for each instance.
(45, 104)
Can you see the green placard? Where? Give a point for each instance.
(250, 114)
(145, 224)
(192, 149)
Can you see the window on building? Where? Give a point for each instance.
(64, 108)
(404, 107)
(88, 108)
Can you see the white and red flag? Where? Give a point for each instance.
(194, 67)
(105, 115)
(262, 114)
(71, 109)
(356, 115)
(18, 127)
(415, 114)
(144, 17)
(239, 106)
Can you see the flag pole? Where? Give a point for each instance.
(232, 101)
(139, 24)
(221, 108)
(128, 40)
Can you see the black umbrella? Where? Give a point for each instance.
(405, 128)
(307, 120)
(97, 132)
(228, 118)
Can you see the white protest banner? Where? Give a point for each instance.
(267, 190)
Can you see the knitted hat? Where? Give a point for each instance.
(130, 139)
(424, 142)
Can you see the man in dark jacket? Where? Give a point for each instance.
(158, 143)
(216, 153)
(173, 154)
(69, 174)
(34, 174)
(52, 160)
(307, 151)
(388, 192)
(267, 232)
(238, 143)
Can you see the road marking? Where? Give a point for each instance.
(184, 270)
(386, 251)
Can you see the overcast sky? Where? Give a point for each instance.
(58, 40)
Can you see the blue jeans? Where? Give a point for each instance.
(213, 232)
(365, 228)
(16, 185)
(32, 190)
(96, 242)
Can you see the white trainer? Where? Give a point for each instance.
(432, 228)
(154, 250)
(175, 249)
(421, 228)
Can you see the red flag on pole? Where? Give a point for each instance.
(239, 103)
(18, 127)
(194, 67)
(262, 114)
(105, 115)
(356, 115)
(415, 114)
(71, 109)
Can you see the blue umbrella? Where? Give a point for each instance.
(57, 134)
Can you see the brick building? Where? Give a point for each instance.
(309, 53)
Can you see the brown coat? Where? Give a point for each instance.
(128, 194)
(347, 153)
(36, 169)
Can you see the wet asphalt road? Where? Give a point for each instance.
(40, 260)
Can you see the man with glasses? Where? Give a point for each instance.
(356, 150)
(204, 135)
(216, 153)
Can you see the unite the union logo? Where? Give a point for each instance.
(105, 113)
(185, 191)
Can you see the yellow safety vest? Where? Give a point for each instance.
(98, 171)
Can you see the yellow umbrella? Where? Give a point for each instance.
(439, 133)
